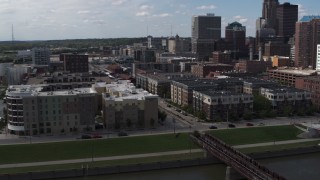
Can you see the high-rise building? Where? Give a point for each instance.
(269, 12)
(40, 56)
(236, 33)
(318, 58)
(75, 63)
(287, 16)
(307, 38)
(205, 31)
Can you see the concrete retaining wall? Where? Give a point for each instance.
(145, 167)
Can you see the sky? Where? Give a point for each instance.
(82, 19)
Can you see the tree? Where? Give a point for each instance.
(261, 103)
(162, 115)
(129, 123)
(247, 116)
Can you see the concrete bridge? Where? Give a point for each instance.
(243, 164)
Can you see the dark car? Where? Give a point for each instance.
(96, 136)
(213, 127)
(122, 134)
(231, 125)
(85, 136)
(249, 124)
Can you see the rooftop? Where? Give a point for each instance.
(221, 93)
(295, 71)
(121, 90)
(37, 90)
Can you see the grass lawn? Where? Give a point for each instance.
(102, 163)
(257, 134)
(98, 147)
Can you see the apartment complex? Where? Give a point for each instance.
(33, 111)
(126, 107)
(280, 97)
(253, 85)
(159, 83)
(218, 105)
(182, 90)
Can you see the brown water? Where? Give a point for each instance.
(293, 168)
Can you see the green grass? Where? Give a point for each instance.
(99, 148)
(257, 134)
(102, 163)
(279, 147)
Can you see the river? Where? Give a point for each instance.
(292, 167)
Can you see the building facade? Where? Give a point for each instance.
(203, 70)
(312, 85)
(205, 30)
(41, 56)
(281, 97)
(288, 76)
(318, 58)
(307, 38)
(125, 107)
(32, 111)
(287, 16)
(219, 105)
(75, 63)
(236, 33)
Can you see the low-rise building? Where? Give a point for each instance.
(288, 76)
(203, 70)
(253, 85)
(126, 107)
(33, 111)
(312, 85)
(219, 105)
(159, 83)
(255, 67)
(182, 90)
(221, 57)
(282, 96)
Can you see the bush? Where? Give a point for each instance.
(247, 116)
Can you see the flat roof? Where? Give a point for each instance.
(127, 90)
(305, 72)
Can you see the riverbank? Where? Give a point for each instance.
(87, 171)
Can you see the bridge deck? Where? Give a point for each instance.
(242, 163)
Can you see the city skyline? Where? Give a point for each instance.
(81, 19)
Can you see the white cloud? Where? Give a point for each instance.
(162, 15)
(301, 10)
(145, 7)
(142, 13)
(206, 7)
(240, 19)
(83, 12)
(118, 2)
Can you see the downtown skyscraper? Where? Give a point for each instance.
(205, 31)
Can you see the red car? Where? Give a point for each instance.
(96, 136)
(249, 124)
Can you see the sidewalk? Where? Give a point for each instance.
(94, 159)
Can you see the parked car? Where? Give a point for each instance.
(122, 134)
(168, 105)
(96, 136)
(249, 124)
(231, 125)
(85, 136)
(213, 127)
